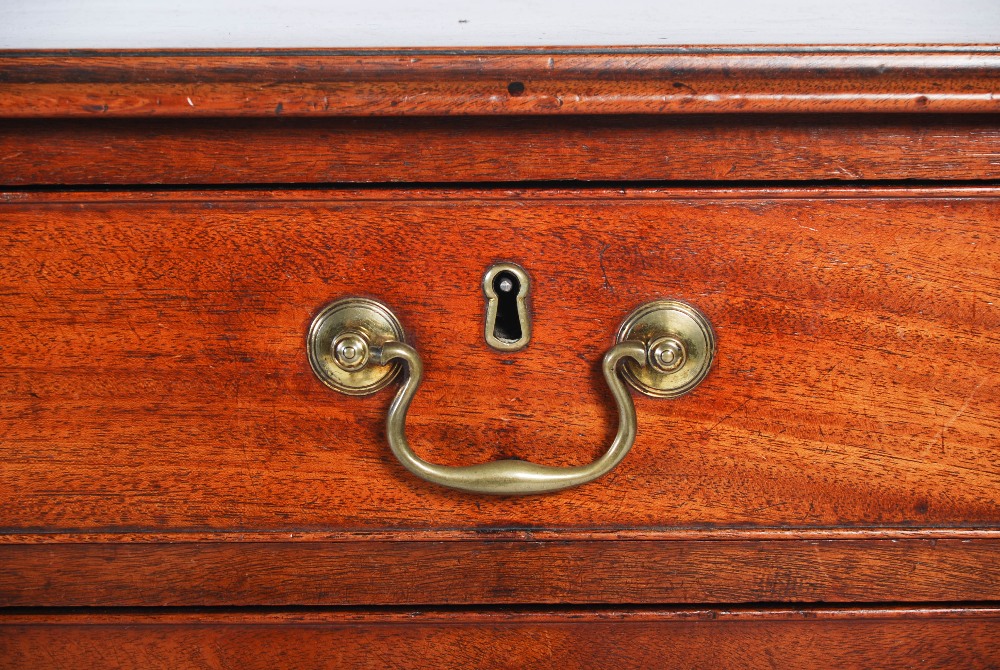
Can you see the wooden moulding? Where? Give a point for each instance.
(794, 638)
(477, 573)
(497, 82)
(691, 114)
(705, 147)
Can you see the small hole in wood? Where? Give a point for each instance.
(515, 88)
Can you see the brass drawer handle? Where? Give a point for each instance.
(509, 477)
(664, 348)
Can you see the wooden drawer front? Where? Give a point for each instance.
(137, 571)
(629, 148)
(892, 638)
(155, 377)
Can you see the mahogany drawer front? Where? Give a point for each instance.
(166, 443)
(855, 638)
(156, 378)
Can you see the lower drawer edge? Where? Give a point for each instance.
(938, 636)
(474, 573)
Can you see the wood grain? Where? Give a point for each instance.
(857, 638)
(505, 149)
(427, 83)
(163, 442)
(488, 572)
(155, 379)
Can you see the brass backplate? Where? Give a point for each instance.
(673, 322)
(362, 323)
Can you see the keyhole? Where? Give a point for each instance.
(507, 325)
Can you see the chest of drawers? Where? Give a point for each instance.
(179, 488)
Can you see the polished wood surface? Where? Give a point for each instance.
(358, 572)
(771, 638)
(164, 445)
(944, 79)
(155, 376)
(784, 147)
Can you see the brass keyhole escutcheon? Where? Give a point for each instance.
(508, 323)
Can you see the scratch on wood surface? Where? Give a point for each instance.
(728, 416)
(961, 410)
(604, 272)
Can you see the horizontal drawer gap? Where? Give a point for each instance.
(398, 535)
(719, 186)
(280, 196)
(477, 614)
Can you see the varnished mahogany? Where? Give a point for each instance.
(621, 148)
(164, 443)
(456, 82)
(154, 349)
(730, 638)
(301, 569)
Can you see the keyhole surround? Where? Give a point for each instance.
(508, 324)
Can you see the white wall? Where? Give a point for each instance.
(127, 24)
